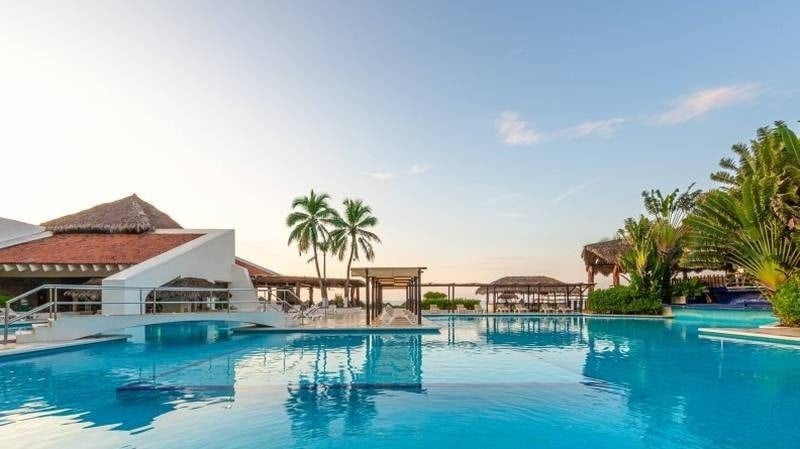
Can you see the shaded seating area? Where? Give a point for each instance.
(533, 294)
(279, 287)
(378, 279)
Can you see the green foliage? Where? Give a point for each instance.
(751, 221)
(786, 303)
(655, 243)
(307, 222)
(623, 300)
(3, 299)
(434, 295)
(351, 236)
(338, 300)
(444, 304)
(690, 288)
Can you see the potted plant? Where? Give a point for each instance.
(686, 289)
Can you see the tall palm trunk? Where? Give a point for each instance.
(347, 275)
(322, 288)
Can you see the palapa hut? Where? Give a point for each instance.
(523, 285)
(603, 257)
(171, 292)
(533, 290)
(129, 215)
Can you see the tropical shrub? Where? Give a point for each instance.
(434, 295)
(444, 304)
(623, 300)
(786, 303)
(690, 288)
(3, 299)
(655, 242)
(751, 220)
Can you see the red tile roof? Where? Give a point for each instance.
(253, 269)
(94, 248)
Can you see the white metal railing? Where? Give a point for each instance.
(149, 303)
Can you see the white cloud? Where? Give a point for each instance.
(515, 131)
(564, 195)
(381, 175)
(600, 128)
(700, 103)
(418, 169)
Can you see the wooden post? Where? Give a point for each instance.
(590, 277)
(487, 302)
(419, 295)
(615, 276)
(366, 294)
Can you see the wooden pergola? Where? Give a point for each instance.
(298, 283)
(379, 278)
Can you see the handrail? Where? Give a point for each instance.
(24, 315)
(143, 302)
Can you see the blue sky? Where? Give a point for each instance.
(491, 138)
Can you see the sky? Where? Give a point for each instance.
(490, 138)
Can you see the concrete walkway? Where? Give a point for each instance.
(768, 333)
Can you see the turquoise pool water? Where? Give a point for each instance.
(561, 382)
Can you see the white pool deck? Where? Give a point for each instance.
(775, 334)
(13, 349)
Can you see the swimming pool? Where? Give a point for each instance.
(545, 382)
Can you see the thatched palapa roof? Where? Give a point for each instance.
(166, 295)
(522, 284)
(130, 215)
(190, 295)
(86, 295)
(603, 255)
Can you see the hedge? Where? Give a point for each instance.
(623, 300)
(445, 304)
(786, 303)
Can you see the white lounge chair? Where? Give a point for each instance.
(434, 308)
(461, 309)
(502, 308)
(478, 308)
(521, 308)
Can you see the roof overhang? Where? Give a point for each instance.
(389, 277)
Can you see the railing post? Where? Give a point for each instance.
(55, 300)
(142, 308)
(5, 324)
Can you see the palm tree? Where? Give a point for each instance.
(751, 221)
(351, 237)
(310, 214)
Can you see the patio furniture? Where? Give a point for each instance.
(520, 308)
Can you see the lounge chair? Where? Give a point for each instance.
(547, 308)
(434, 309)
(478, 308)
(502, 308)
(520, 308)
(564, 308)
(461, 309)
